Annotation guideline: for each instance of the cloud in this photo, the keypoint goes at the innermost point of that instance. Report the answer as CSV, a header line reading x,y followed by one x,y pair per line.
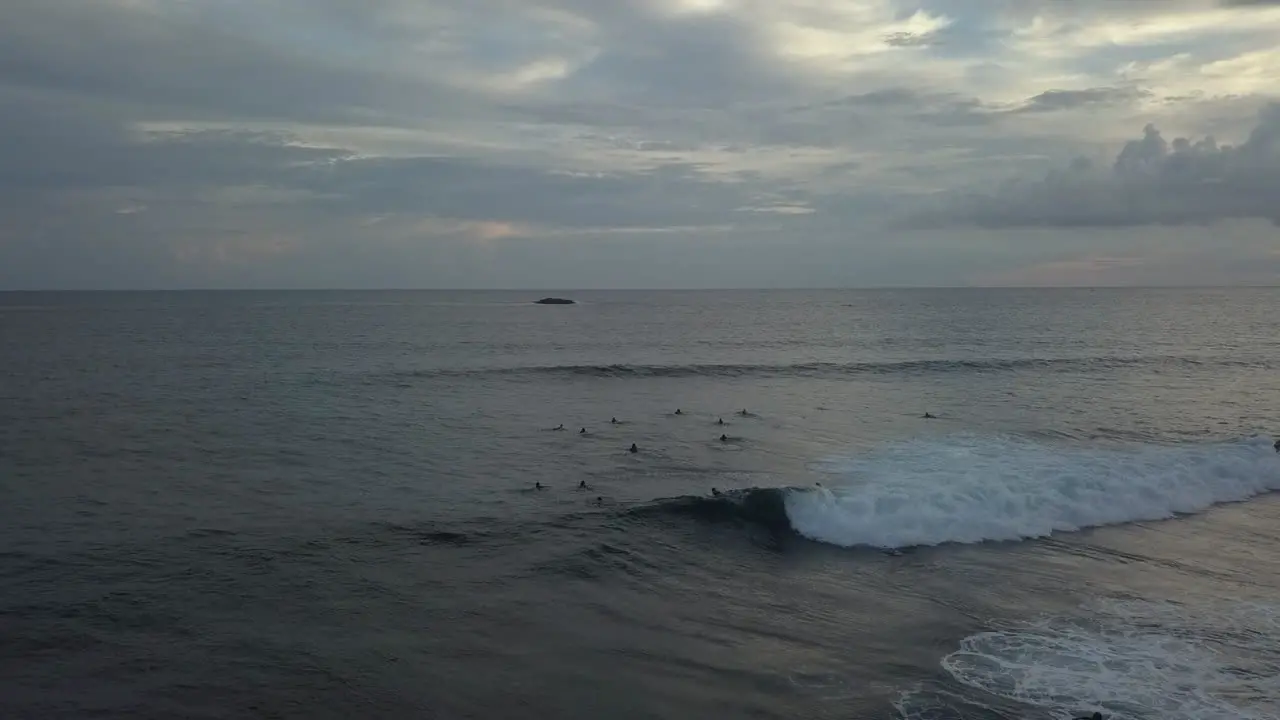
x,y
1054,100
180,60
1151,182
455,142
1162,267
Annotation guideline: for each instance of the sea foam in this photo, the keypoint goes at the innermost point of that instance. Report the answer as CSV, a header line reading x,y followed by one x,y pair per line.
x,y
968,489
1126,658
1132,659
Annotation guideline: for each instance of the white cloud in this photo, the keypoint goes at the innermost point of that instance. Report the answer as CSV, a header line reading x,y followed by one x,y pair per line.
x,y
1065,33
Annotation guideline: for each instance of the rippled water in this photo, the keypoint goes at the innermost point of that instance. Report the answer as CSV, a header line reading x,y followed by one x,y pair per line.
x,y
322,504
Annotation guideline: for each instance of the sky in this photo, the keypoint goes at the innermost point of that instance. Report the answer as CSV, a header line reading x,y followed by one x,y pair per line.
x,y
638,143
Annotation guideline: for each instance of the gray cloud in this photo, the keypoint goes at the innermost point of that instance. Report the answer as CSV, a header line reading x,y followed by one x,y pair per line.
x,y
1054,100
182,62
906,39
671,195
1151,182
75,78
376,142
713,62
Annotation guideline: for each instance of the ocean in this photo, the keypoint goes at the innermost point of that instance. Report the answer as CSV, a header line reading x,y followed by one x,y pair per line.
x,y
326,505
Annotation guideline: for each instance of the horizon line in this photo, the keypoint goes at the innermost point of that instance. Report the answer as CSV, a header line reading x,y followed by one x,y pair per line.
x,y
1240,286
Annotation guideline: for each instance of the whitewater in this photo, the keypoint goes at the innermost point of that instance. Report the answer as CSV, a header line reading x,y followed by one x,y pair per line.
x,y
968,488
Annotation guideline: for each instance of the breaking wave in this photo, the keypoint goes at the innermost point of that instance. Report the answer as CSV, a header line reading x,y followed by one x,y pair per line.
x,y
969,489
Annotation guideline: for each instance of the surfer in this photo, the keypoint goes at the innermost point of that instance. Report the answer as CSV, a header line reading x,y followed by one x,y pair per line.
x,y
744,412
613,421
583,431
582,485
720,421
724,438
634,449
559,427
930,416
715,492
678,411
538,486
1277,446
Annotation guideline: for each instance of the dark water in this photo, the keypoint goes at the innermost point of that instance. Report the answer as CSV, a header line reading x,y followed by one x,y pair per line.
x,y
320,505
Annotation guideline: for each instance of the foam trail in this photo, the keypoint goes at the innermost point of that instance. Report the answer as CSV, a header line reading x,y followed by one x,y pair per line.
x,y
969,489
1132,660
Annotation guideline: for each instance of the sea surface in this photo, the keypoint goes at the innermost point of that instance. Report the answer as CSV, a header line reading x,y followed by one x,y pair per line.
x,y
323,505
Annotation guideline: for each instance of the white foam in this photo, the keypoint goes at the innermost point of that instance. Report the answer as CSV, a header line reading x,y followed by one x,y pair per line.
x,y
1132,660
968,489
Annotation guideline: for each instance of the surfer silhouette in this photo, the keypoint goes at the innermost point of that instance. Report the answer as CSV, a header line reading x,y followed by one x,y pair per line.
x,y
634,449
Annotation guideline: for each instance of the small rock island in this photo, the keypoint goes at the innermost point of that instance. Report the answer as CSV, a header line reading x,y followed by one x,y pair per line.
x,y
555,301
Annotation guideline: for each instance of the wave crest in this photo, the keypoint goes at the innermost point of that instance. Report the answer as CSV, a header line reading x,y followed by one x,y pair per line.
x,y
973,489
759,506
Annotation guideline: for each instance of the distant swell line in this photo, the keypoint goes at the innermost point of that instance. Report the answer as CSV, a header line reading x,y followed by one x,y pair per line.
x,y
826,369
